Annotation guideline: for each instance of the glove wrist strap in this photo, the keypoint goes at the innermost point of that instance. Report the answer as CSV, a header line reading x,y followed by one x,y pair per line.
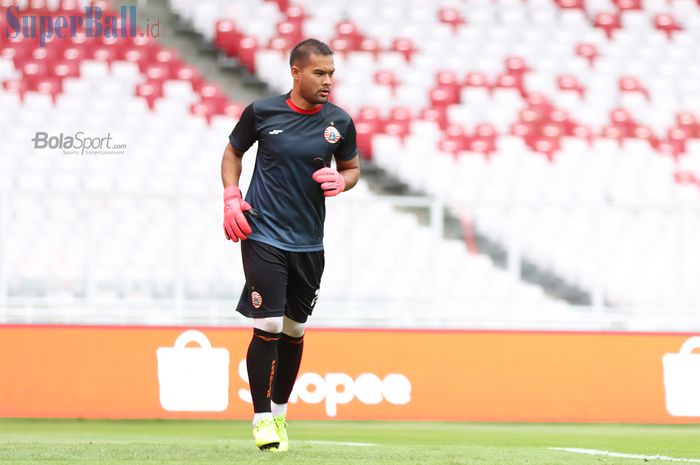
x,y
232,192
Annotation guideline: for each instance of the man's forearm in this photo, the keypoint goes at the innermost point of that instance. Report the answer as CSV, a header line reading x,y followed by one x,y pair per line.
x,y
351,176
231,167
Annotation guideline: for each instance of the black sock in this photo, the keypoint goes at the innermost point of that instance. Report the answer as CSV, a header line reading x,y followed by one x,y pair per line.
x,y
262,367
290,350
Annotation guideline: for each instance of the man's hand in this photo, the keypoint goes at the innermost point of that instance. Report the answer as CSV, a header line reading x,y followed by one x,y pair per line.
x,y
235,223
332,182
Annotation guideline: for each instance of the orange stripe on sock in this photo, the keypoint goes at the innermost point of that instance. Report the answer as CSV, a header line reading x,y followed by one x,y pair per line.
x,y
267,339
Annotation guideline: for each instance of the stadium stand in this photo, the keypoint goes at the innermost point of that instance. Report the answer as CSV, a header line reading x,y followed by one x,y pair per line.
x,y
584,112
136,236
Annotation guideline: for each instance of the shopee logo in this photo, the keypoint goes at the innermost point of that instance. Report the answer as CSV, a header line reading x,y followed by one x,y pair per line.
x,y
340,388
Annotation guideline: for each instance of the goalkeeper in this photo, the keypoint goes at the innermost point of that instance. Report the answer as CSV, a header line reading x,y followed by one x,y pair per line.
x,y
280,223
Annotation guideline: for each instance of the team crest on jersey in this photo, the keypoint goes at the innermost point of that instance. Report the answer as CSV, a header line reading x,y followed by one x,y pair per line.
x,y
256,299
331,135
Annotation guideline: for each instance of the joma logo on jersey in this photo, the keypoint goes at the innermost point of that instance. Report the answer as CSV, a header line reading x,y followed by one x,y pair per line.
x,y
276,131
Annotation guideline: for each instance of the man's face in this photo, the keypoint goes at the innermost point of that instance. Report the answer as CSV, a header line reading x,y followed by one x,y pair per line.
x,y
315,78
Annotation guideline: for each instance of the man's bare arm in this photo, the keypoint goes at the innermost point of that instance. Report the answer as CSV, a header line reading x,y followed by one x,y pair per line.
x,y
350,170
231,166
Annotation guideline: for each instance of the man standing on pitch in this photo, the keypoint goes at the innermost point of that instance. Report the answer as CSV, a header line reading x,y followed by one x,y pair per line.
x,y
280,223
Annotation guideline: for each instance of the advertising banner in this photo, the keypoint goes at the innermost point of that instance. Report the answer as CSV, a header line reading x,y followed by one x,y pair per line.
x,y
173,372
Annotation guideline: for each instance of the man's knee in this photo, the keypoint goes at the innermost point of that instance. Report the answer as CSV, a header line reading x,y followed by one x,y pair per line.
x,y
272,324
292,328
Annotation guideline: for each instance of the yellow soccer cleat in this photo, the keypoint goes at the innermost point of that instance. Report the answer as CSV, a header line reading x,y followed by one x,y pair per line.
x,y
265,434
281,427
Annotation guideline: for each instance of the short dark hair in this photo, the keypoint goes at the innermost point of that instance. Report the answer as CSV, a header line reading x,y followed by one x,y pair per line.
x,y
301,51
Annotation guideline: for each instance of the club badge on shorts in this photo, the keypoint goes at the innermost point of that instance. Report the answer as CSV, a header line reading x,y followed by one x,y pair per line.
x,y
331,135
256,299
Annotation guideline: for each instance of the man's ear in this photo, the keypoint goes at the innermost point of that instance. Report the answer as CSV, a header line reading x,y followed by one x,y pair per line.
x,y
295,72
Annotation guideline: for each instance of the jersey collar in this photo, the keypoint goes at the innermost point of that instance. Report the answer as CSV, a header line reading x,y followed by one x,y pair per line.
x,y
294,107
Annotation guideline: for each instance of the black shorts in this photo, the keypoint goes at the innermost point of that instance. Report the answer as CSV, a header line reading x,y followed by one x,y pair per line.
x,y
279,282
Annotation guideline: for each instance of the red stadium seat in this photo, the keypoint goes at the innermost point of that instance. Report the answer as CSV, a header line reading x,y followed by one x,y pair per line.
x,y
281,44
625,5
50,86
457,137
147,45
441,97
570,4
569,82
404,46
34,71
484,139
448,81
540,103
204,109
65,68
562,120
477,79
516,66
686,177
622,120
234,110
157,72
340,46
632,84
452,17
396,129
678,139
291,31
645,133
583,132
370,114
401,115
587,51
546,146
138,56
510,81
296,14
667,24
525,130
347,30
608,22
212,94
437,115
106,54
365,135
248,48
370,45
689,123
387,78
450,146
227,37
150,91
189,73
16,86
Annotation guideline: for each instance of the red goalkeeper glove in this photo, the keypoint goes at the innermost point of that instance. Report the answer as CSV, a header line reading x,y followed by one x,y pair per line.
x,y
332,182
235,223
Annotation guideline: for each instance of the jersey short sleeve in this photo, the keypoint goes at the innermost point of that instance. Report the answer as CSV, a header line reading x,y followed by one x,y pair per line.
x,y
245,132
347,148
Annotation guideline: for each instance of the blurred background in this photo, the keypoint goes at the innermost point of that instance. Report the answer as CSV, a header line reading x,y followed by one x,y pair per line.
x,y
526,164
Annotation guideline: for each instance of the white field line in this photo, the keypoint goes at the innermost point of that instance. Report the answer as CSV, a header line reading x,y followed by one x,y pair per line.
x,y
338,443
623,455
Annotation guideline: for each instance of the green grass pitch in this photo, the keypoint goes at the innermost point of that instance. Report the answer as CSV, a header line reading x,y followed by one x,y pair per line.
x,y
340,442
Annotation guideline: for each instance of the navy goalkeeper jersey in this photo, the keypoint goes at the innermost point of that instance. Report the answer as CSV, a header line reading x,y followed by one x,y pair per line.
x,y
291,204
